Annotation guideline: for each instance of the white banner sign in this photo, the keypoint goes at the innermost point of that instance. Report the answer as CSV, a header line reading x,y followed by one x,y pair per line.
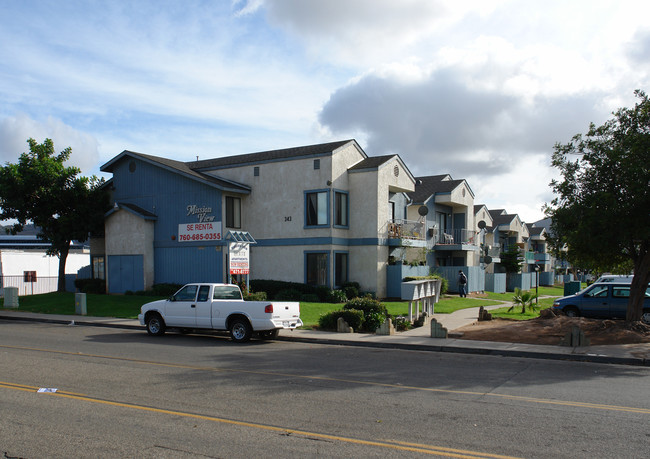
x,y
238,258
197,232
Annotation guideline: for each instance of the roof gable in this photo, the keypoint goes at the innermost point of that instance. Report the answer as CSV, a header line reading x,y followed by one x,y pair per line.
x,y
178,167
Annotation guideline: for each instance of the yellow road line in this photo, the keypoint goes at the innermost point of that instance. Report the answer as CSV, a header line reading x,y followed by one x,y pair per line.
x,y
396,445
596,406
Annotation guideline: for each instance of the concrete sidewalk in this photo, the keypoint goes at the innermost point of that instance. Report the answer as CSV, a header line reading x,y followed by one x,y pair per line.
x,y
417,339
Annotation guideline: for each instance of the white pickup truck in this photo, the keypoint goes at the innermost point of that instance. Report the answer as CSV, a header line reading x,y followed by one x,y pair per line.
x,y
219,307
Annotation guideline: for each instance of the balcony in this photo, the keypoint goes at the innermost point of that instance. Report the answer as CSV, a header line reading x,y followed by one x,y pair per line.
x,y
406,233
543,258
456,239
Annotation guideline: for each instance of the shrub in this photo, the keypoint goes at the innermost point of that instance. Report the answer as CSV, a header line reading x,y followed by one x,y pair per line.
x,y
257,296
337,296
273,288
289,294
401,323
329,320
165,289
323,293
90,285
373,320
374,313
351,292
366,304
310,298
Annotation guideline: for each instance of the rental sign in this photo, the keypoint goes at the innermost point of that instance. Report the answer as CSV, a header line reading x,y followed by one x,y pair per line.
x,y
197,232
239,263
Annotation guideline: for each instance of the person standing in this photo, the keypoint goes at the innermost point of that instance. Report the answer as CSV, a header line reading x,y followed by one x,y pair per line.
x,y
462,284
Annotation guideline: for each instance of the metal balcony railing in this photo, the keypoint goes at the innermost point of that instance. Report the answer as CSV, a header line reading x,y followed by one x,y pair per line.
x,y
456,236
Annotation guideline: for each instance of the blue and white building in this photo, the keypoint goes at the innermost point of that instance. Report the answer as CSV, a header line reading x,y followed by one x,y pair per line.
x,y
319,214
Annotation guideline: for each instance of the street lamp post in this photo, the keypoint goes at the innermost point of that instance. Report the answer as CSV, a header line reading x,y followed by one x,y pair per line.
x,y
536,286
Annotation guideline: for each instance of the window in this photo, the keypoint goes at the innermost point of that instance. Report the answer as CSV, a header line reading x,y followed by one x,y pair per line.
x,y
204,293
99,271
597,292
621,292
233,212
316,268
340,209
316,208
187,293
316,164
256,171
340,268
226,293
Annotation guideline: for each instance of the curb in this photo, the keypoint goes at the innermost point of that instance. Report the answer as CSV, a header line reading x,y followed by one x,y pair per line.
x,y
588,358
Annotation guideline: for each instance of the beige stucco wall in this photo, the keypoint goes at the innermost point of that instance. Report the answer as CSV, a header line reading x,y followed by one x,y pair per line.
x,y
275,209
128,234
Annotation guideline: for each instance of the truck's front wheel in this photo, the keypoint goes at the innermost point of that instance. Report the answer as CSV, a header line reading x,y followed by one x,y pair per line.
x,y
155,324
240,330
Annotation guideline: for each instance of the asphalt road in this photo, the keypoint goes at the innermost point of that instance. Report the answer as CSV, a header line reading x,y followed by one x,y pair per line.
x,y
121,393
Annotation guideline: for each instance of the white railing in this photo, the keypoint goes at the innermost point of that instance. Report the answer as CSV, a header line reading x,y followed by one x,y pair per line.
x,y
41,285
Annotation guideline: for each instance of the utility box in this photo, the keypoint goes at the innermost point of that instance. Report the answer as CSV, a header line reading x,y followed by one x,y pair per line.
x,y
11,297
571,288
80,304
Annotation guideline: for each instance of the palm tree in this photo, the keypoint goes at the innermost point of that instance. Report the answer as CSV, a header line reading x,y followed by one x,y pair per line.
x,y
525,299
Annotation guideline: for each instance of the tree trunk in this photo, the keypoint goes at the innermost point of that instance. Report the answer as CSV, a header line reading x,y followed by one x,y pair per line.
x,y
639,285
63,255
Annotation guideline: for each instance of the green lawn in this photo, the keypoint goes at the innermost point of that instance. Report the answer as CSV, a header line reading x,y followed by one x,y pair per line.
x,y
310,312
515,314
128,306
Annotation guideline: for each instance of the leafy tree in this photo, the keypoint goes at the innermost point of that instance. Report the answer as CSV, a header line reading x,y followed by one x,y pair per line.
x,y
601,209
511,259
64,207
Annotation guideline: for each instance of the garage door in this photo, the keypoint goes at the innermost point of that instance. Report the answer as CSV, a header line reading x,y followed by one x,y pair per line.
x,y
125,273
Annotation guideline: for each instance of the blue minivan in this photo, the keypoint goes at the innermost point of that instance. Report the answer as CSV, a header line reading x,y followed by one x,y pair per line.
x,y
602,301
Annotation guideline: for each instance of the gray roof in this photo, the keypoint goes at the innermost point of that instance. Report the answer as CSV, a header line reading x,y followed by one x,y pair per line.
x,y
179,167
425,187
269,156
501,218
372,163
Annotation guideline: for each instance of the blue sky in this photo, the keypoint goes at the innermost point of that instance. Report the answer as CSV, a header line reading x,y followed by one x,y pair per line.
x,y
481,90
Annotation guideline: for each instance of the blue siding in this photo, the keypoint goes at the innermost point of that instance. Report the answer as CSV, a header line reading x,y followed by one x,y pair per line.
x,y
182,265
167,195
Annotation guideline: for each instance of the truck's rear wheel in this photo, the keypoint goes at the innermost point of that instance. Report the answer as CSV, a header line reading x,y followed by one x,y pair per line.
x,y
155,324
240,330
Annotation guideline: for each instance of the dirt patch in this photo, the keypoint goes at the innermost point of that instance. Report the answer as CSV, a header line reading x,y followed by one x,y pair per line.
x,y
550,329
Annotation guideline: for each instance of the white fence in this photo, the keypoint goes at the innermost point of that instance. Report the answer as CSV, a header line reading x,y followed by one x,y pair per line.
x,y
41,285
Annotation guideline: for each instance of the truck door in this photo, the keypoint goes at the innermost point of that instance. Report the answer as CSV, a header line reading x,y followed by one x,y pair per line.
x,y
181,308
203,307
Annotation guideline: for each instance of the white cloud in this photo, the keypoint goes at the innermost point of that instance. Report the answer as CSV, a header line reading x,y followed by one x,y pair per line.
x,y
14,132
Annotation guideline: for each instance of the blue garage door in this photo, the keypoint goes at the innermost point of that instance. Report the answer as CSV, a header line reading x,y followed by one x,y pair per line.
x,y
125,272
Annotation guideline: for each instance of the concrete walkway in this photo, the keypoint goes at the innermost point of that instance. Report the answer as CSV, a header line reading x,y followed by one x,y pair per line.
x,y
417,339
